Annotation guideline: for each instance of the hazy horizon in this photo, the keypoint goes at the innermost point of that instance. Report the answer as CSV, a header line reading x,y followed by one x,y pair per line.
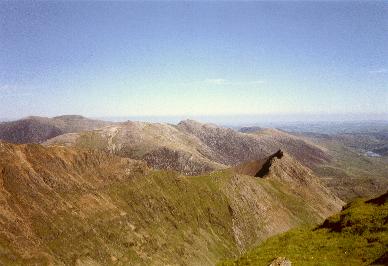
x,y
281,60
237,119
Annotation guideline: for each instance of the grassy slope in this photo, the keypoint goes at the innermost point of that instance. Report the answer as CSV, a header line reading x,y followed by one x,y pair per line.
x,y
66,206
350,174
356,236
160,218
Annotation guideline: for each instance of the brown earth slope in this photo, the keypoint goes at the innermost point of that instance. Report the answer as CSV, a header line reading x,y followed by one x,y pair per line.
x,y
64,206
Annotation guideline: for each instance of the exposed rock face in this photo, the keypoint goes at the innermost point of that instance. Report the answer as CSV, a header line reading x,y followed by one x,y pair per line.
x,y
201,147
233,147
258,168
250,129
228,146
268,162
281,261
183,162
288,174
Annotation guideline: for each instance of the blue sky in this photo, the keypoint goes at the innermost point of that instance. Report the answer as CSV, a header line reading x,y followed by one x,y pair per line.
x,y
193,58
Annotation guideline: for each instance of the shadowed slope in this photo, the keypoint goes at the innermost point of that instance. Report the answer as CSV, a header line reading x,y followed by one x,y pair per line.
x,y
258,168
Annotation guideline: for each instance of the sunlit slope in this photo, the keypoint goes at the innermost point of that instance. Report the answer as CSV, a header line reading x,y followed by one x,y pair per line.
x,y
350,174
68,206
189,147
358,235
35,129
306,152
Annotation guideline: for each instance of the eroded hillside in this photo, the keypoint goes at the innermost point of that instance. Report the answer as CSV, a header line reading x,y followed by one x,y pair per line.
x,y
67,206
194,148
189,147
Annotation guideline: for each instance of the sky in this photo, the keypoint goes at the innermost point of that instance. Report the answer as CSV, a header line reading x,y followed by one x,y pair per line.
x,y
186,59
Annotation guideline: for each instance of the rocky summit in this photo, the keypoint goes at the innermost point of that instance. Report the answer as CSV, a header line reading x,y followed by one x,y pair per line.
x,y
189,147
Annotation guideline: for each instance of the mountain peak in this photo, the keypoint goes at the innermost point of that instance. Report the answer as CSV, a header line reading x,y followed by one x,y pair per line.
x,y
258,168
190,122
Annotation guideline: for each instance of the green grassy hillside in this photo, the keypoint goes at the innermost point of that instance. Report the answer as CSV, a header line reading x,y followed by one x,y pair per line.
x,y
351,174
66,206
356,236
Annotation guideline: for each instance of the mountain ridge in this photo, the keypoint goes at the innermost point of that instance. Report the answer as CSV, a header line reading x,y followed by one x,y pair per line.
x,y
64,205
189,147
36,129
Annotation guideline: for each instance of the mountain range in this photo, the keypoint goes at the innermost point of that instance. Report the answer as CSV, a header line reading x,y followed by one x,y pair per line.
x,y
36,129
190,147
80,191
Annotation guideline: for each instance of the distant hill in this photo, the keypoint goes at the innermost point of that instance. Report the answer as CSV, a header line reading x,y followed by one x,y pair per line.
x,y
189,147
355,236
376,142
305,151
249,129
63,205
36,129
351,173
194,148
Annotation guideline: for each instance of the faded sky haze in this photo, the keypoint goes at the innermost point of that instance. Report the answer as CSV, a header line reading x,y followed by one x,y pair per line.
x,y
103,59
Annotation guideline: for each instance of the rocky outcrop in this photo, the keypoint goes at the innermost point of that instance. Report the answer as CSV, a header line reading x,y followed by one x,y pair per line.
x,y
267,164
258,168
178,160
250,129
281,261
